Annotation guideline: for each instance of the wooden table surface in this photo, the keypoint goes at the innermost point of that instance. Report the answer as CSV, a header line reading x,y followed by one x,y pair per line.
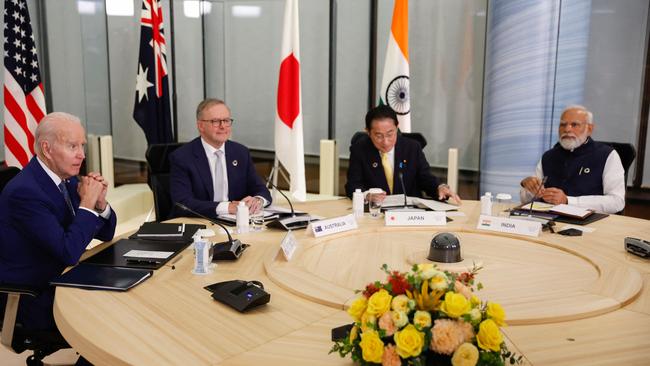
x,y
569,300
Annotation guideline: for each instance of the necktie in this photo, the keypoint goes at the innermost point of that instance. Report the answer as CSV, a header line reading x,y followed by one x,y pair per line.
x,y
388,170
66,196
217,184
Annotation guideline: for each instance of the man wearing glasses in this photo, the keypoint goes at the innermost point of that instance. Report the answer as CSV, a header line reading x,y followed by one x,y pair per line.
x,y
378,161
211,174
579,171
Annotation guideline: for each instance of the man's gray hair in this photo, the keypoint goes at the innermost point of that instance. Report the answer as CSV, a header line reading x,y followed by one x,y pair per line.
x,y
206,104
48,129
590,116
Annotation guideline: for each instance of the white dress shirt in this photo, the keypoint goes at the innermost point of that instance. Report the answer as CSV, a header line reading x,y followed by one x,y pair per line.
x,y
222,206
613,198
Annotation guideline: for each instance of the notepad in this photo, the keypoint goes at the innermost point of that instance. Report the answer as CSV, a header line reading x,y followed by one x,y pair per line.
x,y
571,211
156,229
147,254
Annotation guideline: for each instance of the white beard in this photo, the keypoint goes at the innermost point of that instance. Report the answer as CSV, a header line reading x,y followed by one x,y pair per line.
x,y
571,143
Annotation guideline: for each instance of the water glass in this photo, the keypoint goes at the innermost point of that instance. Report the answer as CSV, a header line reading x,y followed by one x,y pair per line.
x,y
257,221
376,198
503,204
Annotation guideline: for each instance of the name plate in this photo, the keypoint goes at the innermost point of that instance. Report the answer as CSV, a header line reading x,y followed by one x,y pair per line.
x,y
334,225
289,245
508,225
415,218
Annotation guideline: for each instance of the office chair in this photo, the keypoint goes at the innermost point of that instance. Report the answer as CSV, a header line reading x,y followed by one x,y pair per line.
x,y
158,166
627,152
13,335
418,137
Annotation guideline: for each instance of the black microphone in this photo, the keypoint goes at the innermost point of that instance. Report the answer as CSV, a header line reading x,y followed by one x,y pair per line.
x,y
283,222
401,181
293,213
233,247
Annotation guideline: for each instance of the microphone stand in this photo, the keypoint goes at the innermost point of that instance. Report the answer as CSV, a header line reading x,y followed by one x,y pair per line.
x,y
234,246
294,221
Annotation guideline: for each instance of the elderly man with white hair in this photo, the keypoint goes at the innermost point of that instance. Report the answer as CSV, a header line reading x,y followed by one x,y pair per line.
x,y
579,171
49,214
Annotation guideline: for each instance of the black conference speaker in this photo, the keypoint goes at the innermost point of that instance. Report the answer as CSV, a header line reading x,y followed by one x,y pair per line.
x,y
240,295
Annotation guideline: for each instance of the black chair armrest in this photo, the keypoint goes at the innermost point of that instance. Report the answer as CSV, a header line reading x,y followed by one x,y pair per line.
x,y
10,288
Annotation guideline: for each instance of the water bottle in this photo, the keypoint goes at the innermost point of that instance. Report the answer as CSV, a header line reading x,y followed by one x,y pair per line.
x,y
201,256
242,218
357,203
486,204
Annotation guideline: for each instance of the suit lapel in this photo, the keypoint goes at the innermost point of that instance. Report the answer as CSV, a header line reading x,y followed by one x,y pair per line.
x,y
203,167
232,168
51,190
377,169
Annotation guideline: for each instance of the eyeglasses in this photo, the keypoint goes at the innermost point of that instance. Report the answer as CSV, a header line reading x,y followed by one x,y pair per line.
x,y
380,137
227,122
573,124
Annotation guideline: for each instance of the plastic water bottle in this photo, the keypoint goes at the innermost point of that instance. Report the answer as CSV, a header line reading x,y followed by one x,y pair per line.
x,y
242,218
357,203
486,204
201,256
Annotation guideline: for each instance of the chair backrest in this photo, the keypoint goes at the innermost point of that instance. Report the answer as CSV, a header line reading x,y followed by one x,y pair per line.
x,y
6,174
158,161
360,135
626,151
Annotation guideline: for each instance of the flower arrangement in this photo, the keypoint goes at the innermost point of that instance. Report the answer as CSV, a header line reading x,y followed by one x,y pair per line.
x,y
425,316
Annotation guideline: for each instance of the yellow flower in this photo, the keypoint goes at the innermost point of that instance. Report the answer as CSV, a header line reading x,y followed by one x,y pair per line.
x,y
409,341
427,270
496,313
354,333
399,318
400,303
379,303
422,319
368,322
439,281
372,348
465,355
455,305
475,301
357,308
489,337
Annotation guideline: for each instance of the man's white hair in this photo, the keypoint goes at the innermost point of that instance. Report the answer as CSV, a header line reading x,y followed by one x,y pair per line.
x,y
590,116
48,129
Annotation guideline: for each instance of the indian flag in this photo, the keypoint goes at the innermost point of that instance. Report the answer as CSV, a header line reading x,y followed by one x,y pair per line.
x,y
289,149
395,82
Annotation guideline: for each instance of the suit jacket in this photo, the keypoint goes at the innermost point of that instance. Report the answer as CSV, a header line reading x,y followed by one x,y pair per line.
x,y
40,237
365,170
191,180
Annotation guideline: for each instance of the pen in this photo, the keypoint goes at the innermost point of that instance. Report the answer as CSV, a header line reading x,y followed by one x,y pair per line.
x,y
178,257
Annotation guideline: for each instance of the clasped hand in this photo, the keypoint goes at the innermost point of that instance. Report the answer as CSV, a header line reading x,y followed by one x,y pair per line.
x,y
534,185
92,191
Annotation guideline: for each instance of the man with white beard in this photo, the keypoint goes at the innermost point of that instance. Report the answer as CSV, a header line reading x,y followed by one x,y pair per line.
x,y
579,171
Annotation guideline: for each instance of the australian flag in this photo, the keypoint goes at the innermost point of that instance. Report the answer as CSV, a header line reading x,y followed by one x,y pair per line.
x,y
151,109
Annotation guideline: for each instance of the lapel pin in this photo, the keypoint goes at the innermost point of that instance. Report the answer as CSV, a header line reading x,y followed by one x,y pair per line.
x,y
234,163
587,170
374,165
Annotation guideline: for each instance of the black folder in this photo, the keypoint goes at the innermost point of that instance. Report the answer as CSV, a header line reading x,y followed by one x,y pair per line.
x,y
114,255
102,278
166,231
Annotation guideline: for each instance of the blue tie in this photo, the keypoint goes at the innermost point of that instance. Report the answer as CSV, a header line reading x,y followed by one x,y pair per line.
x,y
66,196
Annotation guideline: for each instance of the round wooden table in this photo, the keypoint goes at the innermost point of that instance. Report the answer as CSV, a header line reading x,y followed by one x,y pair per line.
x,y
569,300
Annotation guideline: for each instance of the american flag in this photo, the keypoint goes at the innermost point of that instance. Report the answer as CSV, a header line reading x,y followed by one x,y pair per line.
x,y
24,101
152,111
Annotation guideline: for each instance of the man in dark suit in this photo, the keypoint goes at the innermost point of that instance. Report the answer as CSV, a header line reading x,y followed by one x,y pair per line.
x,y
48,216
211,174
377,161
